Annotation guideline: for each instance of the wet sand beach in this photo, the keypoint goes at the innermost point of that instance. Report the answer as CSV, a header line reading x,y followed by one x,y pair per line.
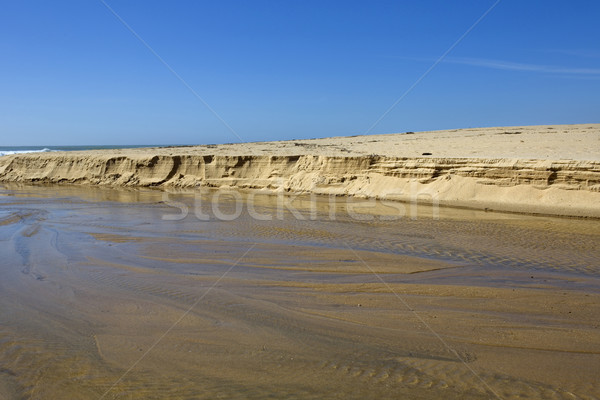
x,y
109,293
389,200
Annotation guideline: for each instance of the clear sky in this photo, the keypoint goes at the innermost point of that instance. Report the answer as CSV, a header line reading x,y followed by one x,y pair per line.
x,y
72,73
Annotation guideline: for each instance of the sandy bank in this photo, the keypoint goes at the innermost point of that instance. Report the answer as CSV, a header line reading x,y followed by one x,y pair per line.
x,y
541,169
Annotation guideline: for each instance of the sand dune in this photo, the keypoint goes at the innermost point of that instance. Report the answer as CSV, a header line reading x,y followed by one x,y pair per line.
x,y
534,169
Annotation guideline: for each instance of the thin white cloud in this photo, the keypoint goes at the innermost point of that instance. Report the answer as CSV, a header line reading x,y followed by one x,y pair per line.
x,y
512,66
584,53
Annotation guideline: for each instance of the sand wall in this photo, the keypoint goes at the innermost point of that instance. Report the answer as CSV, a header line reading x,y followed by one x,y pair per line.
x,y
533,186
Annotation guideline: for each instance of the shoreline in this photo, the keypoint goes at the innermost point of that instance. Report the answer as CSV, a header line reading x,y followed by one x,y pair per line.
x,y
352,166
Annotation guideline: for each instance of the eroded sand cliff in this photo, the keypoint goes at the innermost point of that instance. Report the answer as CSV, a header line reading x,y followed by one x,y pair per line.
x,y
545,169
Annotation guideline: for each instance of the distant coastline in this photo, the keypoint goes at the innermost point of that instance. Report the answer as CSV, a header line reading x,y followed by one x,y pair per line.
x,y
9,150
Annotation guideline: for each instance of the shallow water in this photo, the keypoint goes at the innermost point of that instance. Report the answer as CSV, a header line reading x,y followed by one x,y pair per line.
x,y
102,297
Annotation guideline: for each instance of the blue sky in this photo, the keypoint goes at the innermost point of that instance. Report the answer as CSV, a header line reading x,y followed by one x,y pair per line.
x,y
72,73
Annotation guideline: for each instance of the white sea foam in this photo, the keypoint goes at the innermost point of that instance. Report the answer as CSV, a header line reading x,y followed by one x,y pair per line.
x,y
9,152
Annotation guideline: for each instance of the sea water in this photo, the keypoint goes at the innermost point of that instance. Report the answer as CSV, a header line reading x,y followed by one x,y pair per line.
x,y
8,150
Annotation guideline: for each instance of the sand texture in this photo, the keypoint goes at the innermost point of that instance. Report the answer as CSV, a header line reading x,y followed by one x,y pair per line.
x,y
102,298
535,169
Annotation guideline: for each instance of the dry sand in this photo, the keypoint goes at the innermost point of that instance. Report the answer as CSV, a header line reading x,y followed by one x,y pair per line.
x,y
533,169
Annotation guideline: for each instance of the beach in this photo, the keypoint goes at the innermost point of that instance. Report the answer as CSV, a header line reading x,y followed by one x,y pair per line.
x,y
342,268
552,170
102,296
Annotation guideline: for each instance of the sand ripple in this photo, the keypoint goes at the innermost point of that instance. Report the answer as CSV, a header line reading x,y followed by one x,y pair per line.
x,y
469,307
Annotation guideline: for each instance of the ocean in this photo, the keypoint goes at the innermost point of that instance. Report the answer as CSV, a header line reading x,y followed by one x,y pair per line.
x,y
7,150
